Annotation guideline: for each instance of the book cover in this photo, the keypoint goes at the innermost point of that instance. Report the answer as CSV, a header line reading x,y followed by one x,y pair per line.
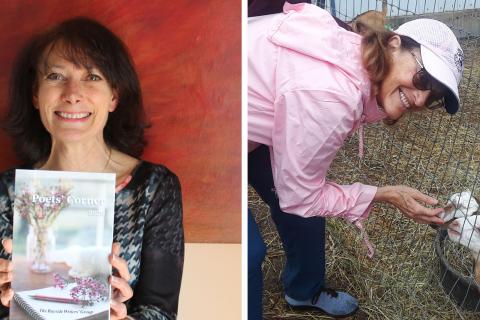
x,y
62,236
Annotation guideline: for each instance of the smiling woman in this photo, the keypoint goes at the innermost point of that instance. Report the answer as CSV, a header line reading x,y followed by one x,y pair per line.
x,y
79,73
325,83
76,105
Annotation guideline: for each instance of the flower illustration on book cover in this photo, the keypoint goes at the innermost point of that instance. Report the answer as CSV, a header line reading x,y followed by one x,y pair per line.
x,y
40,206
87,290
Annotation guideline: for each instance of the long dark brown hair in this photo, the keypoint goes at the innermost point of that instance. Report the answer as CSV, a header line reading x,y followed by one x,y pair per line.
x,y
84,42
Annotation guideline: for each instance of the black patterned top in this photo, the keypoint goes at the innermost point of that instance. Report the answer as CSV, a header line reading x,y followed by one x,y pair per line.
x,y
148,225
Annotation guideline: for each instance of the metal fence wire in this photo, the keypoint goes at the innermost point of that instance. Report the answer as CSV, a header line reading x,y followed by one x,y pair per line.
x,y
417,273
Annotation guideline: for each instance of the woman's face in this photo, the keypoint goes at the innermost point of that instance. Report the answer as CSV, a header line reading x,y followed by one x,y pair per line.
x,y
397,93
73,101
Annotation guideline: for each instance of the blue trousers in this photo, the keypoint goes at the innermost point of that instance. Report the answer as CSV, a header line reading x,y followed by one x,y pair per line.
x,y
303,240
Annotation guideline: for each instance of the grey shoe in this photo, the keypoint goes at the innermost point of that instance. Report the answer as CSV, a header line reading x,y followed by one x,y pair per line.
x,y
336,304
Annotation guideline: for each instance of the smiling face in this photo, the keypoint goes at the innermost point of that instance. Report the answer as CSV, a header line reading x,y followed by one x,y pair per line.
x,y
397,93
73,101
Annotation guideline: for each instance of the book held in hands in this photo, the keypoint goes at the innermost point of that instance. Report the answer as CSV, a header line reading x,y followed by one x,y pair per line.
x,y
62,236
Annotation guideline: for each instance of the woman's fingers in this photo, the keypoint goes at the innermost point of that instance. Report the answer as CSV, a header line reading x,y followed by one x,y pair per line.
x,y
123,290
5,265
122,184
119,263
118,310
418,209
6,295
417,195
435,212
121,293
5,277
427,219
425,215
116,248
7,245
410,202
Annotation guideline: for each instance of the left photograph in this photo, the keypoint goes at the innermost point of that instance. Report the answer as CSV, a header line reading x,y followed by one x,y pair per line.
x,y
120,181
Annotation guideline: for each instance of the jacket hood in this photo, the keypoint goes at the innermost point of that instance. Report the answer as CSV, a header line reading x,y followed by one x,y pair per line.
x,y
312,31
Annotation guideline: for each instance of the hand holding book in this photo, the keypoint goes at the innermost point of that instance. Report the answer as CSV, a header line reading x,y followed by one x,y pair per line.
x,y
6,292
121,289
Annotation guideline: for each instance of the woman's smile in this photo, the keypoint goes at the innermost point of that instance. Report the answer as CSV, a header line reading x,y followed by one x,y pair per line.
x,y
73,116
404,100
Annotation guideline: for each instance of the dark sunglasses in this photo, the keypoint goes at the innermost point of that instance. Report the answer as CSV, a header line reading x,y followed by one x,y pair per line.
x,y
422,80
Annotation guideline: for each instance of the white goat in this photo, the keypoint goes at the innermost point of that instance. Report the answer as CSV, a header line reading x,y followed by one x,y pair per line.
x,y
465,229
460,205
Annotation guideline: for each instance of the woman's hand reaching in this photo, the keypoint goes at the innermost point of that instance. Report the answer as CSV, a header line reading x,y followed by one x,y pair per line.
x,y
411,203
121,290
6,292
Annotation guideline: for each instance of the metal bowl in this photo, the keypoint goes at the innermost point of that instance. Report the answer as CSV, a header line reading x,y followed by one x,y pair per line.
x,y
464,291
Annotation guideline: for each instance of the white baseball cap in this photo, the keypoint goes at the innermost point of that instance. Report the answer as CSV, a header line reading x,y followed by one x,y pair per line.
x,y
442,55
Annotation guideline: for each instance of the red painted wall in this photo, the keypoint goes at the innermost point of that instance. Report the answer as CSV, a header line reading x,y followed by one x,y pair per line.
x,y
188,56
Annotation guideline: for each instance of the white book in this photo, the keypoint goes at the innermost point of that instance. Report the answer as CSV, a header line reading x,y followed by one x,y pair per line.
x,y
62,236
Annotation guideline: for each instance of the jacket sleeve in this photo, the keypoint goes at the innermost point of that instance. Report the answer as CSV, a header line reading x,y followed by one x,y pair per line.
x,y
309,128
157,292
6,222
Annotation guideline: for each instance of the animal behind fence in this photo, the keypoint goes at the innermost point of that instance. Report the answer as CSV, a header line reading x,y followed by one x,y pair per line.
x,y
463,216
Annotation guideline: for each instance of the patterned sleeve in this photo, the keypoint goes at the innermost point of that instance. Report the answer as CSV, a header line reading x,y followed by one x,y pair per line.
x,y
6,216
6,220
157,292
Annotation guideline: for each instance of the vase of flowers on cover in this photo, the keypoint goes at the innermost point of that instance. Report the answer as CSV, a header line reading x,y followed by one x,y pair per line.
x,y
40,208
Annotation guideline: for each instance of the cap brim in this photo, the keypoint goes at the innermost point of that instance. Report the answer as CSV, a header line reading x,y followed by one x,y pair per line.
x,y
438,69
451,103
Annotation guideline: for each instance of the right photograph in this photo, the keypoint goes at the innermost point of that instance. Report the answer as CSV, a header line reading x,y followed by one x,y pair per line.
x,y
363,159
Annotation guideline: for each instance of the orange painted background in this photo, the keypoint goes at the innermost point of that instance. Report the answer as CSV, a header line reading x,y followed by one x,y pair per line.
x,y
188,57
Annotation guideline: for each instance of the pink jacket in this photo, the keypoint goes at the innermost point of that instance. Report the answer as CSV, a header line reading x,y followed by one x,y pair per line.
x,y
308,92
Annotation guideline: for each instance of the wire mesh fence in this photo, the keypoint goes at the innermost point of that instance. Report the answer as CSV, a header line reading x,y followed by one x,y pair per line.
x,y
417,273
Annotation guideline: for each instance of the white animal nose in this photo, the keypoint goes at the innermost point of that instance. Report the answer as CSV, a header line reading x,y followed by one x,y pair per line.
x,y
455,224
